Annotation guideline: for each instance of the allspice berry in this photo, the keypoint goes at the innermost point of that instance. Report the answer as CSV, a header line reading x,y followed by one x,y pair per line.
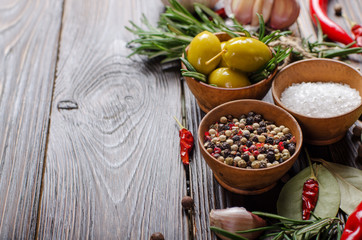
x,y
187,202
157,236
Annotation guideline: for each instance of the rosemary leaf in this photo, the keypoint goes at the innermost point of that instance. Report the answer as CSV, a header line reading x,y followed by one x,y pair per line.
x,y
227,234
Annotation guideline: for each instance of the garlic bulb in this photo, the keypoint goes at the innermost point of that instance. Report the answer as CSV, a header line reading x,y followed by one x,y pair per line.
x,y
278,14
189,4
236,219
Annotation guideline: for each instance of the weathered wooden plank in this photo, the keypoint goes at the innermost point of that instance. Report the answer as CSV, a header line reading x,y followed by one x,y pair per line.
x,y
202,184
113,169
29,33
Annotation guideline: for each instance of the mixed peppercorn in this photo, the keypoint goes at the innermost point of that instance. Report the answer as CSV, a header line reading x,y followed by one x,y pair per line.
x,y
249,141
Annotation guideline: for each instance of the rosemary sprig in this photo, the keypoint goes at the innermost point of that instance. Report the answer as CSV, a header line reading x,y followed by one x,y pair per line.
x,y
279,55
177,27
190,71
287,228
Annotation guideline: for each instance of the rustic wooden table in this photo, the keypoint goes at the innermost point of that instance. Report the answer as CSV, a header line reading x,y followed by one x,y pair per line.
x,y
88,145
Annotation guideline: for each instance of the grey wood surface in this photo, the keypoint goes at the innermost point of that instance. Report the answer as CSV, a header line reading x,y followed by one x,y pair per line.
x,y
89,146
29,35
112,163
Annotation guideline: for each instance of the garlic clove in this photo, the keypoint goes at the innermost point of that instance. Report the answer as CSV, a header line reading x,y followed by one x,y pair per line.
x,y
236,219
257,8
267,9
284,13
241,9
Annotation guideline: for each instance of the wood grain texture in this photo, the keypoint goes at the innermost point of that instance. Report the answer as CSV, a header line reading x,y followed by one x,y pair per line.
x,y
29,33
113,169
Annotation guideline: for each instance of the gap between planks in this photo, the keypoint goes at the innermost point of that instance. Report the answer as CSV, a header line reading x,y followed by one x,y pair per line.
x,y
49,123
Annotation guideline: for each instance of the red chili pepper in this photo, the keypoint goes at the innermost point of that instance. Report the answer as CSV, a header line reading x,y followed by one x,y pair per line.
x,y
221,12
310,193
318,9
357,32
186,143
353,227
280,146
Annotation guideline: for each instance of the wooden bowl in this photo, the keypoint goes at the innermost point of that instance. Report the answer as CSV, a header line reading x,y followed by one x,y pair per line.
x,y
208,96
320,131
241,180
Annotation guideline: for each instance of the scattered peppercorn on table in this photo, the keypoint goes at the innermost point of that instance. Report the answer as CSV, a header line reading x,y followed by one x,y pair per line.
x,y
89,148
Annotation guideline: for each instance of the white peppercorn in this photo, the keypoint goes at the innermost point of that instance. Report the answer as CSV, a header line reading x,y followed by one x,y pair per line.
x,y
223,119
222,138
228,133
230,141
255,164
212,131
234,147
286,130
242,163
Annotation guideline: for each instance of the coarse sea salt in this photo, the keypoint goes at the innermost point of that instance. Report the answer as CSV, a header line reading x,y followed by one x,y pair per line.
x,y
320,99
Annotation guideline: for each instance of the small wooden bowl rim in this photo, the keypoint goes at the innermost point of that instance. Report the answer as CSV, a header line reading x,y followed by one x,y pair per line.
x,y
277,99
298,145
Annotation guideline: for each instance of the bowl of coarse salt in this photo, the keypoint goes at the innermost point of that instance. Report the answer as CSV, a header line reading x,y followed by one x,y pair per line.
x,y
324,95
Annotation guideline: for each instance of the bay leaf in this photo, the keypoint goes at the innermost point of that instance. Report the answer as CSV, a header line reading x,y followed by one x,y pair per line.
x,y
289,203
350,184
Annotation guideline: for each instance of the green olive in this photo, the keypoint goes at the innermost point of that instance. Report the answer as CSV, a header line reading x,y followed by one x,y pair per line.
x,y
203,47
246,54
228,78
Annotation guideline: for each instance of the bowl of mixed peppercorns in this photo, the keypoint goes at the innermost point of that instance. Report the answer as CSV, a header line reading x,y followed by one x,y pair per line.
x,y
249,144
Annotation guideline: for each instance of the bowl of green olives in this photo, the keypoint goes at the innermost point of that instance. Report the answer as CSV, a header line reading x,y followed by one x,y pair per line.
x,y
228,63
249,144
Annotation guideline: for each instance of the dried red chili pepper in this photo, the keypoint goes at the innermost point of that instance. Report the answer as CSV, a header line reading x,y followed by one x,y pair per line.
x,y
318,9
186,143
353,227
357,33
310,193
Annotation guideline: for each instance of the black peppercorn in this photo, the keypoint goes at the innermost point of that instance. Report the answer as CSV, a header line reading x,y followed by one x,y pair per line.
x,y
245,156
269,140
251,114
226,153
338,9
255,139
225,145
187,202
249,143
262,150
249,120
259,130
291,149
270,156
258,118
283,138
289,136
262,124
236,138
157,236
